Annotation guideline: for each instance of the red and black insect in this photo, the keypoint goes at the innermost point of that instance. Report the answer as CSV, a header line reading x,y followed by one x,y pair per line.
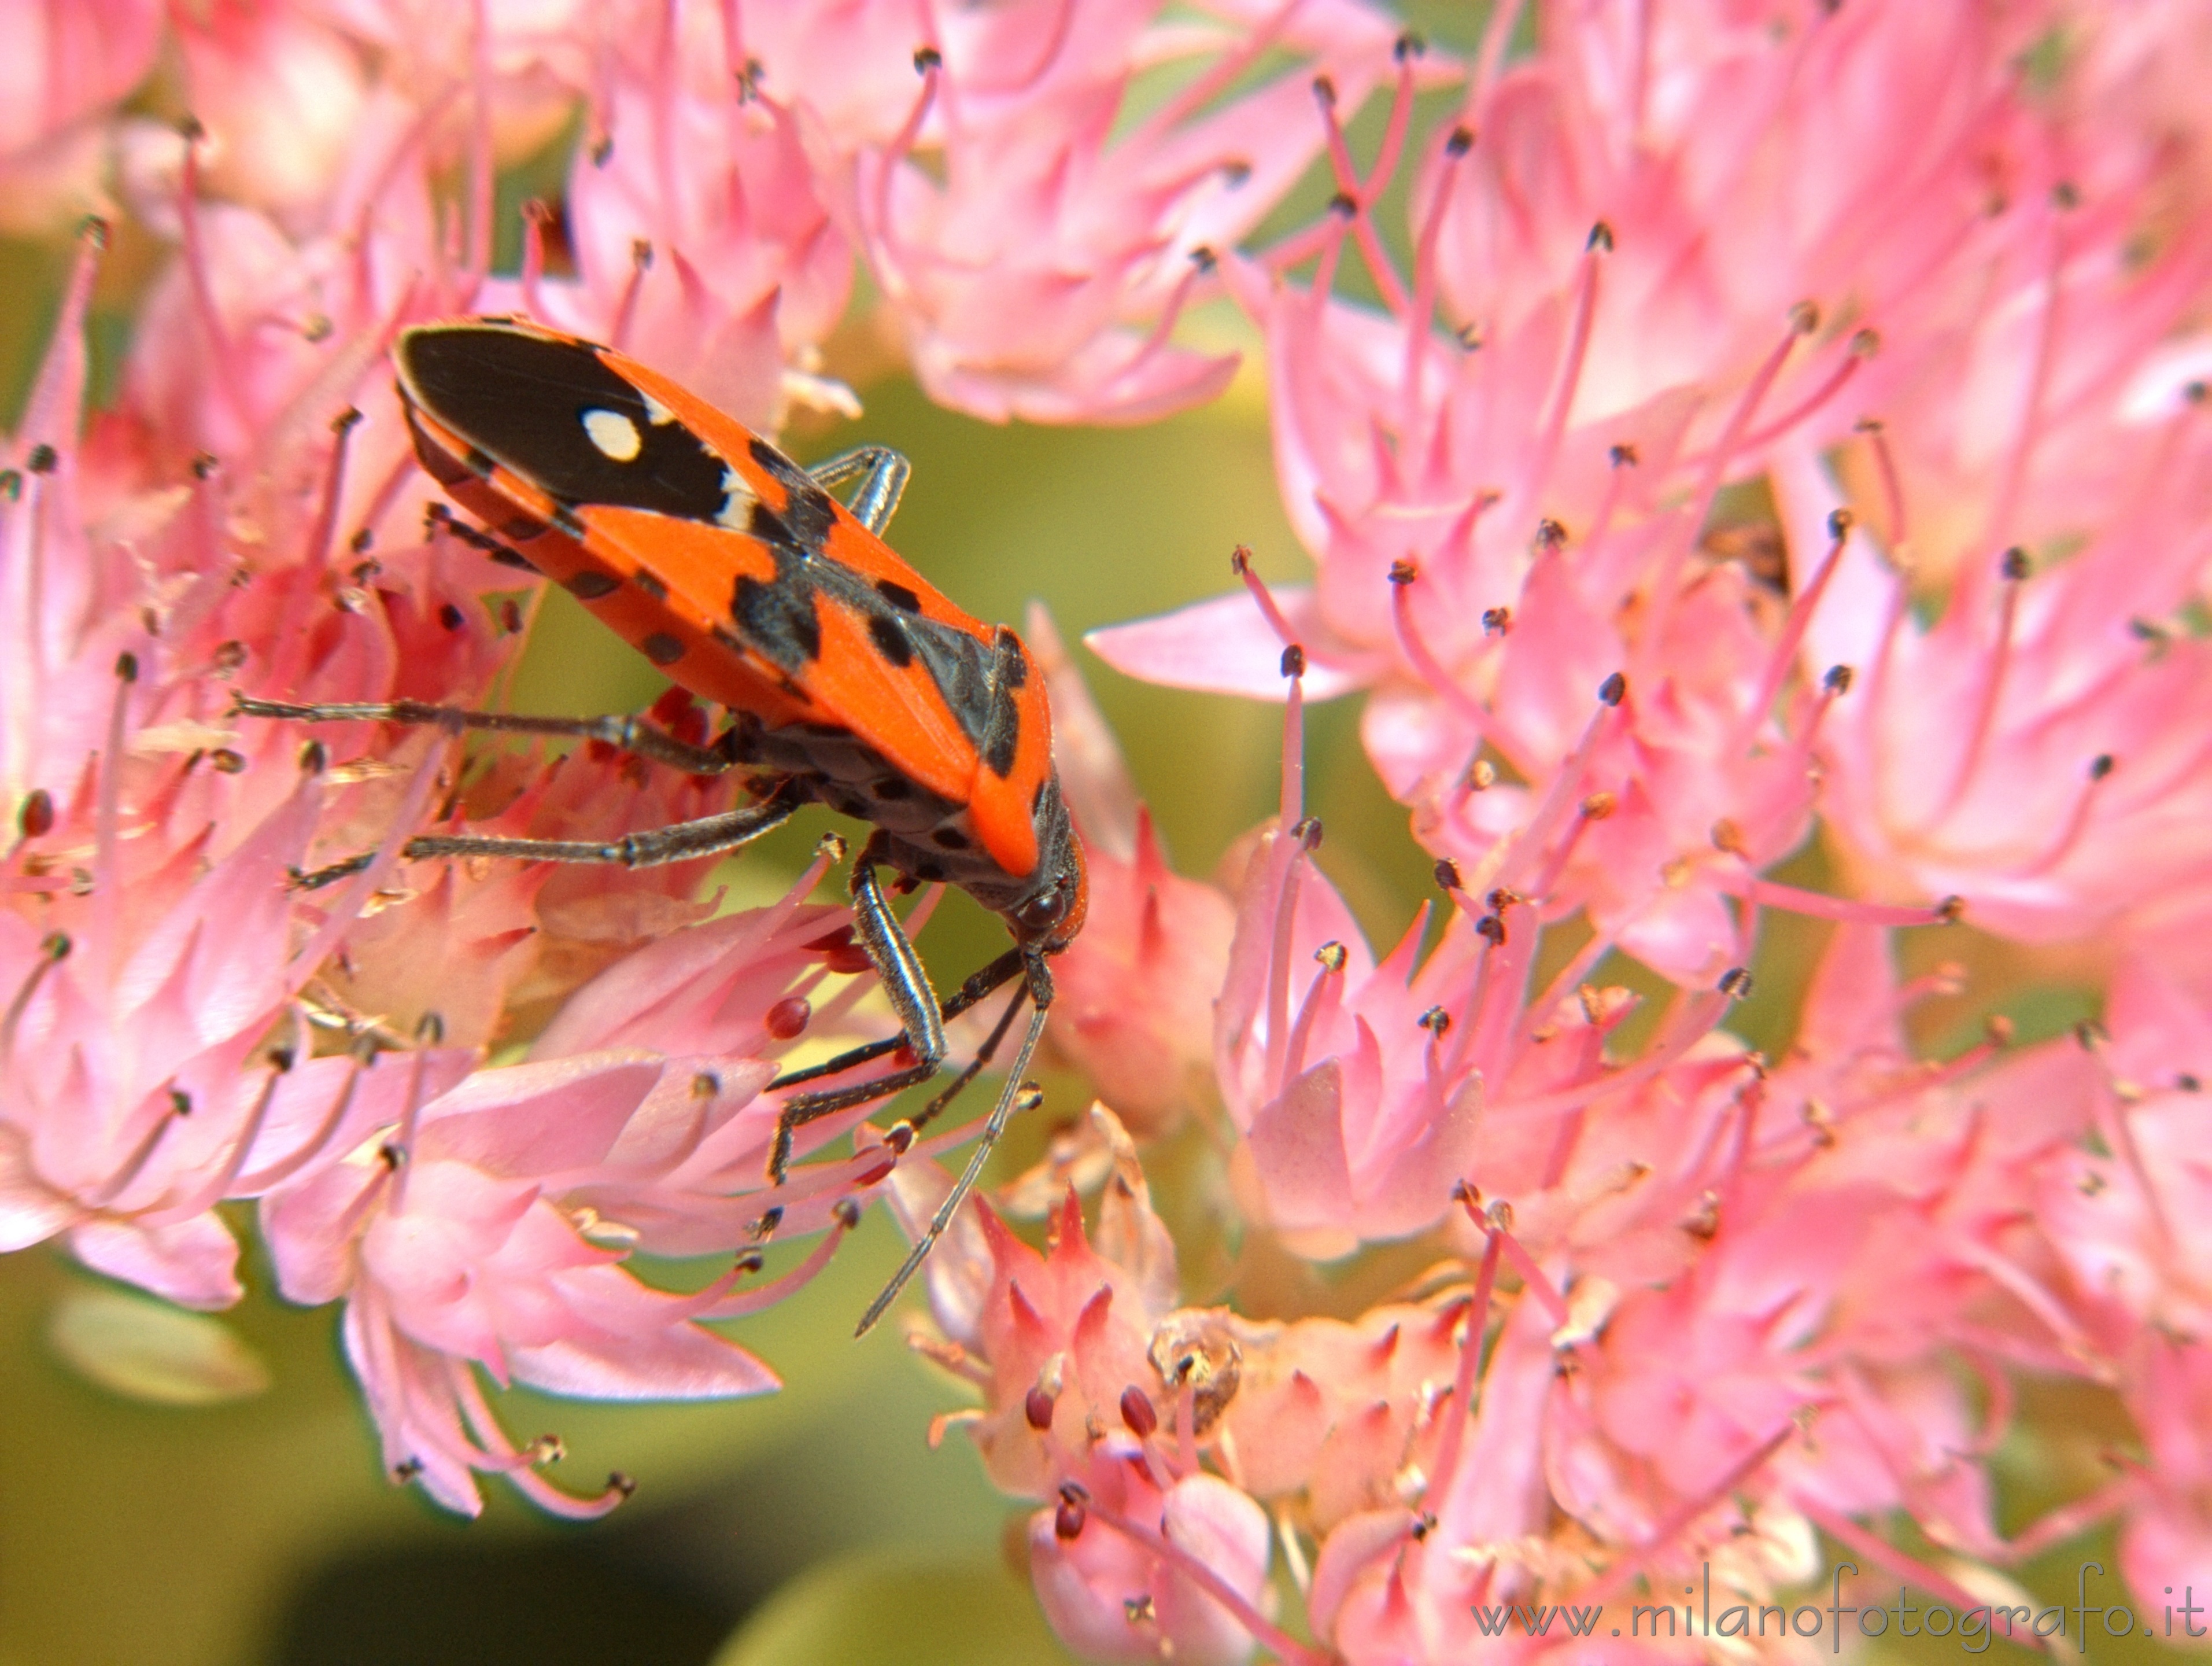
x,y
847,679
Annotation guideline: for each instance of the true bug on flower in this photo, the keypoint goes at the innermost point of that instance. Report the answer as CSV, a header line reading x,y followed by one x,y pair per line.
x,y
848,679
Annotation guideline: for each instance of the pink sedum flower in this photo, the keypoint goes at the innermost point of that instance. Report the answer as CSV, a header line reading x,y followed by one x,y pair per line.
x,y
454,1243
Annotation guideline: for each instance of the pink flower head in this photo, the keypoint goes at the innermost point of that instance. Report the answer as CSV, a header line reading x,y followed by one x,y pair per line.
x,y
484,1226
2060,785
702,243
1042,278
1644,775
458,1249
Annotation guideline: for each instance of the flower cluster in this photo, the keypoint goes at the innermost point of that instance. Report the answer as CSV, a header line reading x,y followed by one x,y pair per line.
x,y
1775,434
287,187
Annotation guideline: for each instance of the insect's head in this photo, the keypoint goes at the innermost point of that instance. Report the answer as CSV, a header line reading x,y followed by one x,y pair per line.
x,y
1049,918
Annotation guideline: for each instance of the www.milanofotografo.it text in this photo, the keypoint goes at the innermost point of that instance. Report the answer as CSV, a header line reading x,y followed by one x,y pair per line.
x,y
1972,1626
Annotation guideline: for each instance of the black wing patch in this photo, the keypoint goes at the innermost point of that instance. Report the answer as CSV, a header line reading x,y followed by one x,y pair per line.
x,y
555,413
808,514
777,618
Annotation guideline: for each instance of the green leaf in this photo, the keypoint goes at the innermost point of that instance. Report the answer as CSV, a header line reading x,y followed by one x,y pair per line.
x,y
894,1607
144,1349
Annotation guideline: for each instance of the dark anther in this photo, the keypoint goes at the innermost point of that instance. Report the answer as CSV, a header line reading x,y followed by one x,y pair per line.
x,y
1068,1518
1735,983
1436,1021
1614,690
1240,560
1410,44
204,465
1036,1409
619,1482
603,150
1294,661
2188,1084
1492,930
1804,318
1951,910
1623,456
1447,872
1460,142
1836,679
2100,766
451,617
770,1220
2014,564
1307,832
1601,239
1137,1412
1324,89
36,818
94,229
1839,524
359,542
927,59
1550,536
126,667
1403,572
1344,205
180,1103
845,1212
313,760
748,1263
1496,621
345,420
1332,955
1865,343
42,460
406,1469
1423,1525
190,128
1204,258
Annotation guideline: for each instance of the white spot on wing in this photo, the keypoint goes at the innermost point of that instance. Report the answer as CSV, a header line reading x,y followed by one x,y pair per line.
x,y
614,434
738,501
655,412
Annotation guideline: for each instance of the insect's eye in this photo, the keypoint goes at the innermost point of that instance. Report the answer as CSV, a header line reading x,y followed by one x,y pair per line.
x,y
1041,912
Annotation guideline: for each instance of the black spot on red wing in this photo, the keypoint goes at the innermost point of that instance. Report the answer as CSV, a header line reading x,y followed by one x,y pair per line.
x,y
1003,733
949,838
891,788
662,649
898,595
807,514
519,399
589,586
778,619
890,640
929,873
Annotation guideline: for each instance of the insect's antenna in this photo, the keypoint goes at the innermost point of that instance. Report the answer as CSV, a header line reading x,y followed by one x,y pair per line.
x,y
1009,1096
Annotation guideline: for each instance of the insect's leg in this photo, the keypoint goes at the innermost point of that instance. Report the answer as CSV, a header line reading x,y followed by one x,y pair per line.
x,y
899,970
1016,1092
983,983
677,842
930,1112
629,734
882,476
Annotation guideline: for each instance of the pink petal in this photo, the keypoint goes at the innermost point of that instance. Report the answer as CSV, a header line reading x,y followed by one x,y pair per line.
x,y
1226,645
